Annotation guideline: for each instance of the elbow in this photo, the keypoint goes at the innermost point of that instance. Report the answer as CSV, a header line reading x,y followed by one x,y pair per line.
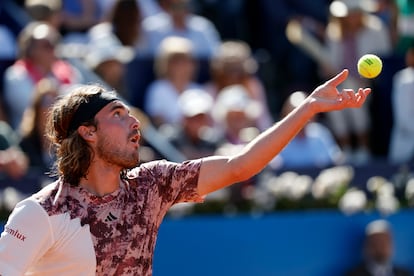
x,y
241,171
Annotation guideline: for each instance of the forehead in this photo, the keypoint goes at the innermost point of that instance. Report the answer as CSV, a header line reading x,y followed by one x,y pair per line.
x,y
110,107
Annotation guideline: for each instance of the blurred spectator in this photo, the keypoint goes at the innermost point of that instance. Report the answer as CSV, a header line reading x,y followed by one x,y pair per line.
x,y
402,135
33,140
148,7
121,27
7,57
177,19
78,16
174,19
219,13
196,135
175,70
107,57
37,60
378,253
236,112
405,25
123,21
233,64
351,33
313,146
13,162
48,11
293,69
108,61
8,44
388,12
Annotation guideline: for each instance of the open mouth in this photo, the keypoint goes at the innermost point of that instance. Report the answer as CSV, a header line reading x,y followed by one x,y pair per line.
x,y
135,137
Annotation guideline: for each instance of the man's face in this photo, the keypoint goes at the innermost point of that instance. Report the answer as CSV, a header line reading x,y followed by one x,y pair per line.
x,y
195,124
42,51
379,247
118,136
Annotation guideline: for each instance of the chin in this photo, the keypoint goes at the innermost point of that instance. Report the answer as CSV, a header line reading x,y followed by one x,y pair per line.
x,y
133,163
130,163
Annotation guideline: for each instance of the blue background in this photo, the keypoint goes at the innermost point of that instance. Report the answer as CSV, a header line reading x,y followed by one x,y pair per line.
x,y
308,243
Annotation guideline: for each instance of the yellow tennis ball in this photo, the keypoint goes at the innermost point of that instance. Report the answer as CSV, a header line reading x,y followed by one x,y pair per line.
x,y
369,66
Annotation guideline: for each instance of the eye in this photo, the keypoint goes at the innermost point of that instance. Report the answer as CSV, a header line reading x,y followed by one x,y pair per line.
x,y
117,114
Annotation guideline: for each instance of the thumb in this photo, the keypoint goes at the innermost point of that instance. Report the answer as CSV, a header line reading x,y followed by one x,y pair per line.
x,y
339,78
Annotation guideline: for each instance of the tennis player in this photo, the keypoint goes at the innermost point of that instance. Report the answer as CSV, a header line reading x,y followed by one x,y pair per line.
x,y
101,217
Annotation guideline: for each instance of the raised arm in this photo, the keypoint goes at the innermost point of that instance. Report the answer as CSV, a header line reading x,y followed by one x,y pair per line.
x,y
220,171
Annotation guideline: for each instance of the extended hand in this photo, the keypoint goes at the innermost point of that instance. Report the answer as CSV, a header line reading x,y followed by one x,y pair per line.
x,y
326,97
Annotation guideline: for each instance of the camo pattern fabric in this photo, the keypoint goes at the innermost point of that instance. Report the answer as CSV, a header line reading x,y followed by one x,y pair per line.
x,y
124,224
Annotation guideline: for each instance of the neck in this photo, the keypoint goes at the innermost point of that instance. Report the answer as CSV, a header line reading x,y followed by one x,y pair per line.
x,y
102,179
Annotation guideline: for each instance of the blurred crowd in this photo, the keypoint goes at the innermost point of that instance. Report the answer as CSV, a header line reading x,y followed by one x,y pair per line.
x,y
206,76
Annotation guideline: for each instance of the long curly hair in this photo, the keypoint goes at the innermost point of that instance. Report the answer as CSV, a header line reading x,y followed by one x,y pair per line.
x,y
73,153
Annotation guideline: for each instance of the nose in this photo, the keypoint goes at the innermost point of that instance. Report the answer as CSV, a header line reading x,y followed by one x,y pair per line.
x,y
136,124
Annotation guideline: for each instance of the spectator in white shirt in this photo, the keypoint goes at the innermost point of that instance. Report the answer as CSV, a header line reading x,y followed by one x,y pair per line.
x,y
175,70
178,20
402,99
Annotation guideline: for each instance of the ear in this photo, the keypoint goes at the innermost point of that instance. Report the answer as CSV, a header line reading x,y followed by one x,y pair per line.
x,y
87,133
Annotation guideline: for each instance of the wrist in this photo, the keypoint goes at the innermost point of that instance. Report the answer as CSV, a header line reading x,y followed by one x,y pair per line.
x,y
310,107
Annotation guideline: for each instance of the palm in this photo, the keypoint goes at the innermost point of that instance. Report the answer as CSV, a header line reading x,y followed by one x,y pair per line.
x,y
326,92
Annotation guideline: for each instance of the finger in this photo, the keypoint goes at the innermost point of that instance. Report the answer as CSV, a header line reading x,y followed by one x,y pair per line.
x,y
347,94
348,91
339,78
363,93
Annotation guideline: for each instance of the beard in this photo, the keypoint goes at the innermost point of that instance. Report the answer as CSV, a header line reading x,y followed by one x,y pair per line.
x,y
112,152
